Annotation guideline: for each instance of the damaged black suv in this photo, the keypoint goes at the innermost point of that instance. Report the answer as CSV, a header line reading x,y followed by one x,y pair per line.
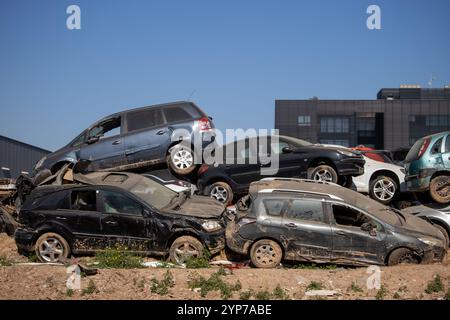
x,y
102,210
305,220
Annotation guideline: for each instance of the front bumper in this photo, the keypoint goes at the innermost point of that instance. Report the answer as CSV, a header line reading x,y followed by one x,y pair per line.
x,y
350,166
214,241
434,254
25,239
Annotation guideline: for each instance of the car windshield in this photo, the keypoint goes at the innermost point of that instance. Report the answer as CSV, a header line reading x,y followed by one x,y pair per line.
x,y
295,141
153,193
380,211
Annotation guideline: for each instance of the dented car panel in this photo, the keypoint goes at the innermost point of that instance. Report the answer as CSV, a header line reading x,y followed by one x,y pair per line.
x,y
325,223
109,209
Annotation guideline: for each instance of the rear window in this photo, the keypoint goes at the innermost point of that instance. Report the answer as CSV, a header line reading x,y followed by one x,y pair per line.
x,y
181,113
144,119
414,151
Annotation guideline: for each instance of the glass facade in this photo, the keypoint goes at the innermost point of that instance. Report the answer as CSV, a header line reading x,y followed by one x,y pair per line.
x,y
335,124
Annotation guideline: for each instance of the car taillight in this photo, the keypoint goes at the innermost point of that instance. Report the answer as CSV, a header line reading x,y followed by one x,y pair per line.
x,y
203,168
423,148
204,124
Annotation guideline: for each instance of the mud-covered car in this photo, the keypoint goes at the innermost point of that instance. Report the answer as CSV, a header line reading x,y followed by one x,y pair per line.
x,y
104,210
303,220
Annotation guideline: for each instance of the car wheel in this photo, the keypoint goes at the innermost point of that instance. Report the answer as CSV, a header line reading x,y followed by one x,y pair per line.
x,y
324,173
181,159
402,256
266,254
440,189
444,232
51,247
383,189
220,191
184,248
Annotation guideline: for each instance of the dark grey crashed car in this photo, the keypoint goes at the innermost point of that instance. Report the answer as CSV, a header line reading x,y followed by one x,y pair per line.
x,y
303,220
90,212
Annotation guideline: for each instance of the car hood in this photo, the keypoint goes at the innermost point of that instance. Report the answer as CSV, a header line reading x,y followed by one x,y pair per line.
x,y
200,207
420,226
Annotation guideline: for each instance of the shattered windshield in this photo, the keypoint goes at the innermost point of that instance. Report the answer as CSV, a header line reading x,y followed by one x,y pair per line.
x,y
153,193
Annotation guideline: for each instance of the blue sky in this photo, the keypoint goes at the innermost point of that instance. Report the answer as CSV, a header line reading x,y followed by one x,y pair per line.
x,y
233,58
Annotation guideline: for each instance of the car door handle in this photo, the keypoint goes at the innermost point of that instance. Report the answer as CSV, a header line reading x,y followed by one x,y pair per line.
x,y
341,233
115,143
160,132
290,225
61,218
111,222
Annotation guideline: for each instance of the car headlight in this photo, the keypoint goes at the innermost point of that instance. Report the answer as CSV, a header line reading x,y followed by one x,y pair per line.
x,y
431,241
347,153
211,226
40,163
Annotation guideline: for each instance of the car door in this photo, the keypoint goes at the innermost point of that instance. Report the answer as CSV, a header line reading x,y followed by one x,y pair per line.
x,y
123,221
147,137
244,167
87,231
307,230
446,152
353,240
104,146
288,161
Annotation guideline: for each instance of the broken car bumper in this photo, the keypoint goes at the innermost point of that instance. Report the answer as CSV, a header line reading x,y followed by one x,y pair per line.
x,y
350,166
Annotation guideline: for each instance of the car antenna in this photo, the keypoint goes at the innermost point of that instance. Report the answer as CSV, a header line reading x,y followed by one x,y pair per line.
x,y
190,96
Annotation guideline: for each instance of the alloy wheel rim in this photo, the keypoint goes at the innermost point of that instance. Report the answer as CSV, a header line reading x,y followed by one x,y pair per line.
x,y
384,189
265,254
51,250
183,159
219,193
323,175
185,251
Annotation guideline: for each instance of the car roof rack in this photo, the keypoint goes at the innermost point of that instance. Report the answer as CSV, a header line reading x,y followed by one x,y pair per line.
x,y
298,180
331,196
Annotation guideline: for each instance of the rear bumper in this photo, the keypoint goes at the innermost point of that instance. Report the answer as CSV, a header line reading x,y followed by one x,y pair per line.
x,y
350,167
416,184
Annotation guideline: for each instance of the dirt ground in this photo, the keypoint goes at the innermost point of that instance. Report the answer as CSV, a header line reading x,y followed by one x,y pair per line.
x,y
49,282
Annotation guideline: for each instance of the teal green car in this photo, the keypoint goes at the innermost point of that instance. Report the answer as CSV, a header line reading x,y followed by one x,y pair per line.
x,y
427,167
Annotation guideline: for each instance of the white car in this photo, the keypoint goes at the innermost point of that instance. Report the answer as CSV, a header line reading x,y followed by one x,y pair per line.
x,y
381,180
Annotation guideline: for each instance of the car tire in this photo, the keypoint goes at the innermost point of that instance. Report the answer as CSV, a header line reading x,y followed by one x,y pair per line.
x,y
401,256
181,160
183,248
383,189
266,254
52,247
440,189
323,173
445,233
220,191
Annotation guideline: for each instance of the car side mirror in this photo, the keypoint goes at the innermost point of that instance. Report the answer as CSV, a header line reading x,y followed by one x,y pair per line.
x,y
286,150
93,139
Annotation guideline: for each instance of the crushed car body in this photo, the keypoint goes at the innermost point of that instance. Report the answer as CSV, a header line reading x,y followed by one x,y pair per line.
x,y
303,220
75,213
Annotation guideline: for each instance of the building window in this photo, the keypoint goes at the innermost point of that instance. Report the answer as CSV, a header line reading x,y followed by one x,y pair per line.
x,y
338,142
334,124
304,120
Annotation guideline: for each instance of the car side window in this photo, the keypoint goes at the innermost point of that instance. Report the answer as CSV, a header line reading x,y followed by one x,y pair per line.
x,y
116,202
79,140
307,210
346,216
106,129
175,114
447,144
84,200
274,207
144,119
436,147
